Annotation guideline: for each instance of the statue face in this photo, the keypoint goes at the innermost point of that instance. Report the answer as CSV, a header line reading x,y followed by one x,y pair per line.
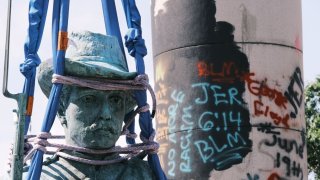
x,y
94,118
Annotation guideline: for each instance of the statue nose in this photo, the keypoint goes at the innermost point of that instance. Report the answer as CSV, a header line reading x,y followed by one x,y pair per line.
x,y
105,112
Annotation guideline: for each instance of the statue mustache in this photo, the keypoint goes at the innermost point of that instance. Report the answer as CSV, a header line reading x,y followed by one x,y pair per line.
x,y
101,125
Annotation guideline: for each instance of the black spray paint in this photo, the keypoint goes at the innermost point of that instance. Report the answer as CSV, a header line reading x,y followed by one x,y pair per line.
x,y
295,92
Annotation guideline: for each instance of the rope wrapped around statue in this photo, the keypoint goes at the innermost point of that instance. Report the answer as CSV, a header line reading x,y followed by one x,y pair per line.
x,y
97,94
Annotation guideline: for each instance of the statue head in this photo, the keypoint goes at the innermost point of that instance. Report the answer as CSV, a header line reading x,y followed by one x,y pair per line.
x,y
91,118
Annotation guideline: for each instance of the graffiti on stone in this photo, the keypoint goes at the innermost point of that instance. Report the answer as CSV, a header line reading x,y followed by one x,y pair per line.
x,y
294,92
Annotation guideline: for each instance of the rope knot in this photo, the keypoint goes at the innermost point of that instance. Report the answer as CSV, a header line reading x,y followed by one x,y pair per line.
x,y
31,62
129,134
141,79
44,135
148,140
40,143
135,43
155,146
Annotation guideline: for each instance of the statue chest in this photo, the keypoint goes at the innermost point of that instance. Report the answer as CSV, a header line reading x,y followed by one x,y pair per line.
x,y
61,169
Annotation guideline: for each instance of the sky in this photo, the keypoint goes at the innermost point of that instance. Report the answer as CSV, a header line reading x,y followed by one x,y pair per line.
x,y
87,15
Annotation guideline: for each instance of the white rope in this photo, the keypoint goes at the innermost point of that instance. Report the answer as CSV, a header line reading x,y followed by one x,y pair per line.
x,y
89,161
141,82
41,143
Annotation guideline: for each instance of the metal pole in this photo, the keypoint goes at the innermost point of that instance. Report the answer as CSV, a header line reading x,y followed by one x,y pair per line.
x,y
18,148
228,80
6,54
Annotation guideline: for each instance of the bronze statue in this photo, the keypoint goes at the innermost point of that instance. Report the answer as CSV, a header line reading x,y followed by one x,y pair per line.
x,y
92,118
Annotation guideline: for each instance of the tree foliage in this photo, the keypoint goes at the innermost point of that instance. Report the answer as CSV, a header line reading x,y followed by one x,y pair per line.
x,y
312,114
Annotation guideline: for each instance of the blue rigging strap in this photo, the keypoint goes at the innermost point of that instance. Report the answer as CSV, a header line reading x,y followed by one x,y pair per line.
x,y
37,19
137,49
59,44
113,29
111,21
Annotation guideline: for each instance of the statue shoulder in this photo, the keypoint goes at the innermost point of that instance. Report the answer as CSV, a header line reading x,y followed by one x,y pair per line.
x,y
46,162
58,168
53,169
